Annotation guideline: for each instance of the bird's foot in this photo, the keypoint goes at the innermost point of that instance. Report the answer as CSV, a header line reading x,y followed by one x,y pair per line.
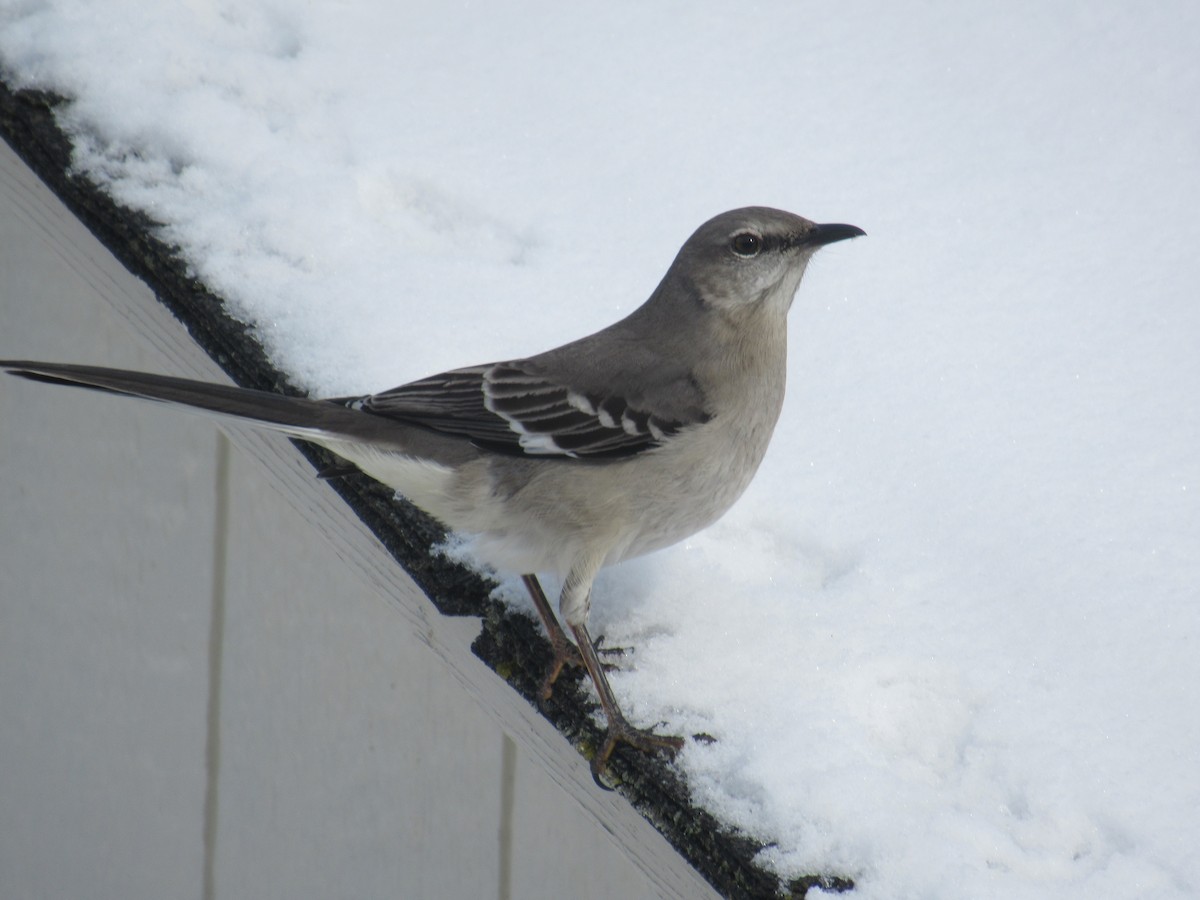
x,y
610,651
621,732
567,654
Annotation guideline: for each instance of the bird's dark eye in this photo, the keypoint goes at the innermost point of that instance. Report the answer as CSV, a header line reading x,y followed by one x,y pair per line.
x,y
746,244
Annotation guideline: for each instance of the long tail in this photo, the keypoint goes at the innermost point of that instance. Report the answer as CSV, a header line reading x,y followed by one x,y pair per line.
x,y
297,416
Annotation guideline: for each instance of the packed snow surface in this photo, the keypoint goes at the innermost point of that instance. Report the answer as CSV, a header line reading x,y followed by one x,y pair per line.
x,y
949,641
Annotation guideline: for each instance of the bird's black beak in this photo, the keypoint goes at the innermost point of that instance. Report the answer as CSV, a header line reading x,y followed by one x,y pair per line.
x,y
830,234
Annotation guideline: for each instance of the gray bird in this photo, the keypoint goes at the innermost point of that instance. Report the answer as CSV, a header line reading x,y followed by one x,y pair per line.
x,y
603,449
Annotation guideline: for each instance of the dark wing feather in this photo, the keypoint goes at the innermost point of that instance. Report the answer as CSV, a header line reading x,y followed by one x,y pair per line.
x,y
513,408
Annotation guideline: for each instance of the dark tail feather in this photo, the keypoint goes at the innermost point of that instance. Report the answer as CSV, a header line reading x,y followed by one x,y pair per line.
x,y
297,415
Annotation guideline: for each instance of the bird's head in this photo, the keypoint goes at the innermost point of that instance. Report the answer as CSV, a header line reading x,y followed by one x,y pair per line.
x,y
751,257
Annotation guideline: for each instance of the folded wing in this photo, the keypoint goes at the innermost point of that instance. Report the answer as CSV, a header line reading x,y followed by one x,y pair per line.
x,y
516,408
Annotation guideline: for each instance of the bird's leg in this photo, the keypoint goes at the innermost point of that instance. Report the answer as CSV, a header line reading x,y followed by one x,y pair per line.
x,y
565,653
619,729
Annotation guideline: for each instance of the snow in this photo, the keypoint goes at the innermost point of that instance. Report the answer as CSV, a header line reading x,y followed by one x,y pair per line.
x,y
947,641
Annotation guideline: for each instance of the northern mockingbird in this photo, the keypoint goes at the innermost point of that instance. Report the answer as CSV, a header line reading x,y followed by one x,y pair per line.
x,y
606,448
